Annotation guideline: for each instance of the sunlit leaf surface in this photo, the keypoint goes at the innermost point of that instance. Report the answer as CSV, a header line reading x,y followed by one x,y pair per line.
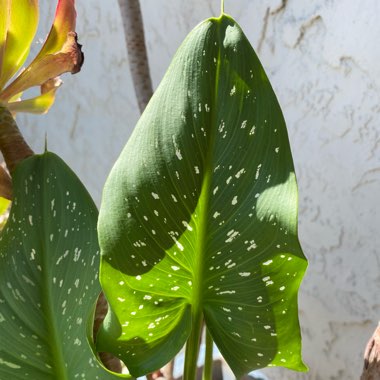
x,y
199,215
4,204
38,105
48,276
18,25
64,22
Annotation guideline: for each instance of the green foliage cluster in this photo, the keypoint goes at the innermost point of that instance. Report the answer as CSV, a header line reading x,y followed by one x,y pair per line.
x,y
197,227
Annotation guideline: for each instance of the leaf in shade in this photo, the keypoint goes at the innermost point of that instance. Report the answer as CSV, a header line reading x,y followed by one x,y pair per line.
x,y
199,215
49,276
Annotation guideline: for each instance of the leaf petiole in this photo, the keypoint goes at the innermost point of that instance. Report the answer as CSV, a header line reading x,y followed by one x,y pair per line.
x,y
207,369
192,348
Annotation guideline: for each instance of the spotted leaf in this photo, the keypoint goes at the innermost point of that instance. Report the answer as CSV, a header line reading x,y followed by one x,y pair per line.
x,y
48,276
199,215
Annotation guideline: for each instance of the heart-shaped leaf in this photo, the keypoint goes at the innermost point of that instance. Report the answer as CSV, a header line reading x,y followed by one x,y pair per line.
x,y
199,215
48,276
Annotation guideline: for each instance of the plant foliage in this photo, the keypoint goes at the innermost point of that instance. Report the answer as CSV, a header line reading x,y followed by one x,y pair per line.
x,y
59,54
199,216
49,259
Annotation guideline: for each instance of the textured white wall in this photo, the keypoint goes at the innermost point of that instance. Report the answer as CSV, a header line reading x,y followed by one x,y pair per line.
x,y
322,58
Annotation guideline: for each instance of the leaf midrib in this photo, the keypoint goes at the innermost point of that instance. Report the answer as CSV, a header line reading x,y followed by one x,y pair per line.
x,y
58,361
204,199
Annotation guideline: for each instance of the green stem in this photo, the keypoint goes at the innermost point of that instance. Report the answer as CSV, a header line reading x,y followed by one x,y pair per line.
x,y
192,348
207,369
222,6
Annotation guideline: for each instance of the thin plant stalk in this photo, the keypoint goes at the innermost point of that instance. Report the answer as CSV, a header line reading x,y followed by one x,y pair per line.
x,y
110,361
136,49
207,369
192,348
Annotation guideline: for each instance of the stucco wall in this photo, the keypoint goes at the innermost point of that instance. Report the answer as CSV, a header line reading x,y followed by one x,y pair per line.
x,y
322,58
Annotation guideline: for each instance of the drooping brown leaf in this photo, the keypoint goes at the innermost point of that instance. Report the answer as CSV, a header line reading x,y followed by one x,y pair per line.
x,y
68,59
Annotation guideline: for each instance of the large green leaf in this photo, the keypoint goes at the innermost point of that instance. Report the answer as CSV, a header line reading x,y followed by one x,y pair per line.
x,y
48,276
199,215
